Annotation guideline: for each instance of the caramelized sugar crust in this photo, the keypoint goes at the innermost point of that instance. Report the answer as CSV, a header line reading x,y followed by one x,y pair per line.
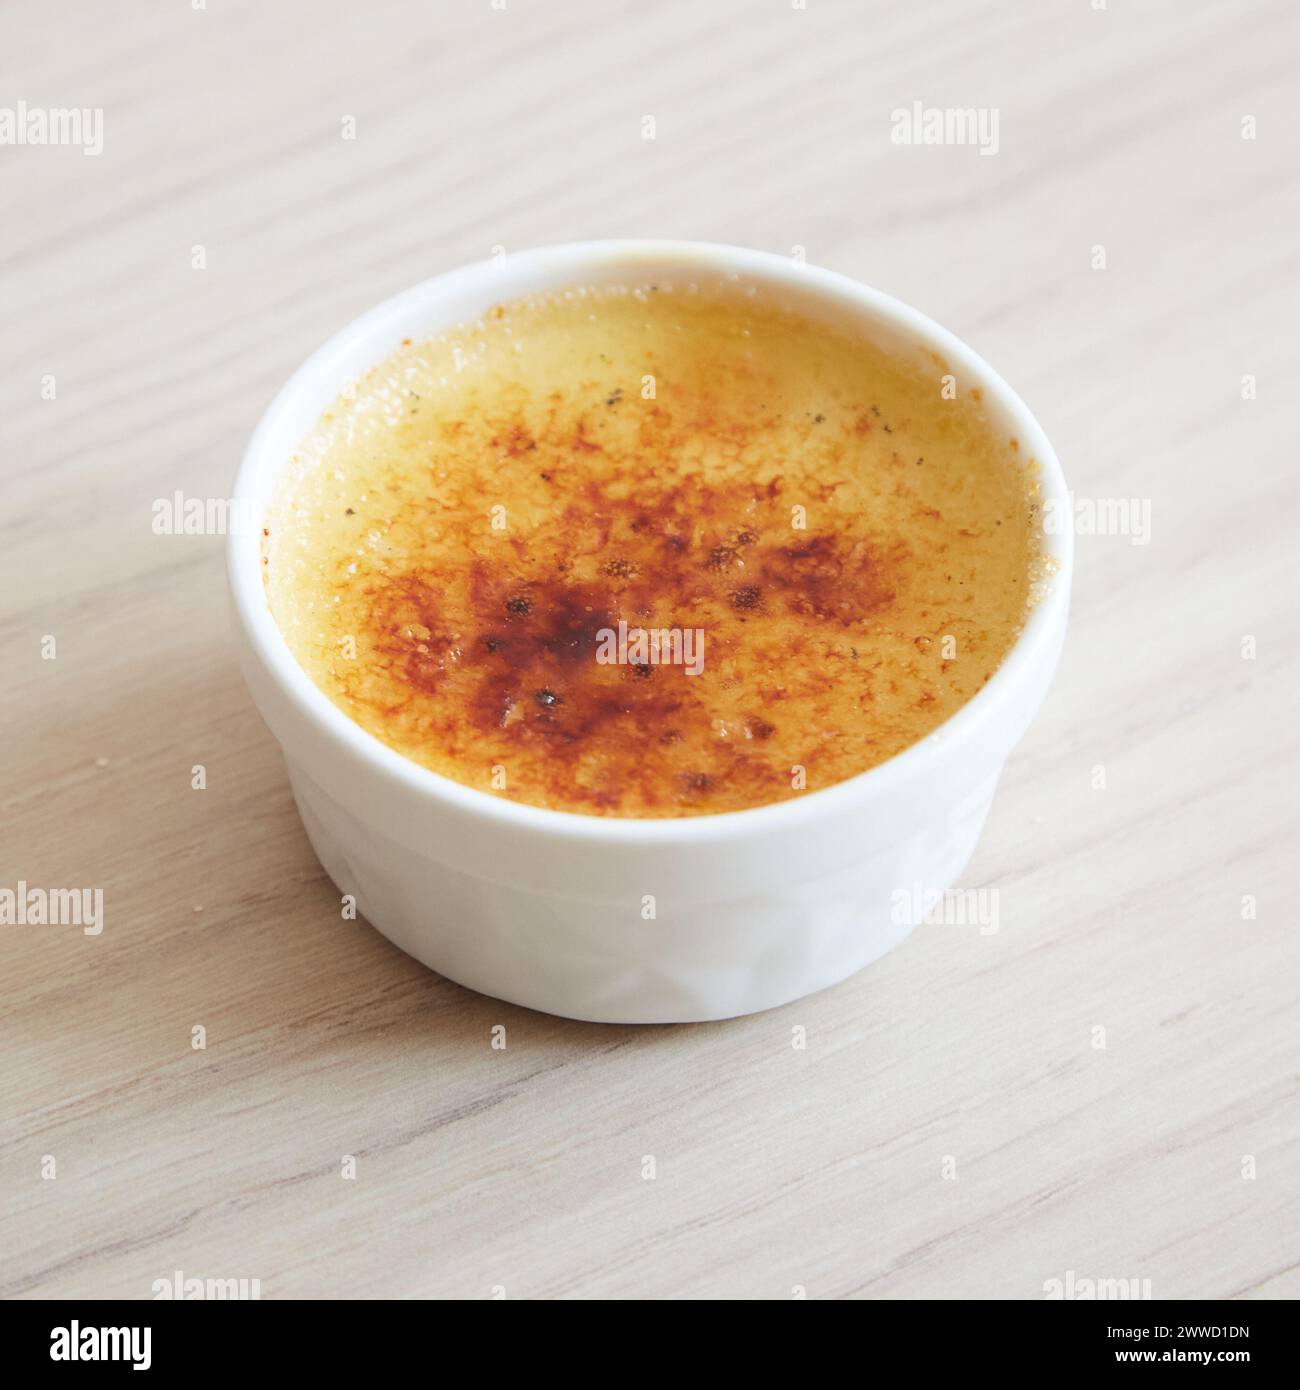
x,y
451,545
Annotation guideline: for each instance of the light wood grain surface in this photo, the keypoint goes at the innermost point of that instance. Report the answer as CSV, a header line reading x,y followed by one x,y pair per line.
x,y
1124,907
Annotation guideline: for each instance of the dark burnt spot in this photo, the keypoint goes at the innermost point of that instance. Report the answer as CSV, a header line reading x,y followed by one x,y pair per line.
x,y
760,729
519,606
543,657
548,646
722,557
572,623
825,577
746,538
642,669
746,597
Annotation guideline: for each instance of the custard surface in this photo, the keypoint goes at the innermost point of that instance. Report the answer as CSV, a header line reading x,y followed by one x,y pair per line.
x,y
450,551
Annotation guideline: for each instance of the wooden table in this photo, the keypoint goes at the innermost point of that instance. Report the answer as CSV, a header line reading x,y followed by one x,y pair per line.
x,y
953,1127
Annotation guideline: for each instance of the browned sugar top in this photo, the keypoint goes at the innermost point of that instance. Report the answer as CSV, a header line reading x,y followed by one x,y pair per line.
x,y
451,553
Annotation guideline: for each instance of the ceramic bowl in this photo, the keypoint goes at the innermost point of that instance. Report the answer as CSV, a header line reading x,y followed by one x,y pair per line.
x,y
633,920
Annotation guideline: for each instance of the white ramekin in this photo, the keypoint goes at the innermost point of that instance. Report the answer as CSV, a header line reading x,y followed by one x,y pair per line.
x,y
623,920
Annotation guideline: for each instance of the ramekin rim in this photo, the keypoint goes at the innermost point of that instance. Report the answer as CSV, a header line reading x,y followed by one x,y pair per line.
x,y
271,648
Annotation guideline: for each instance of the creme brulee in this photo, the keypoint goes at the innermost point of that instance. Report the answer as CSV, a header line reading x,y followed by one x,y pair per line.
x,y
658,551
